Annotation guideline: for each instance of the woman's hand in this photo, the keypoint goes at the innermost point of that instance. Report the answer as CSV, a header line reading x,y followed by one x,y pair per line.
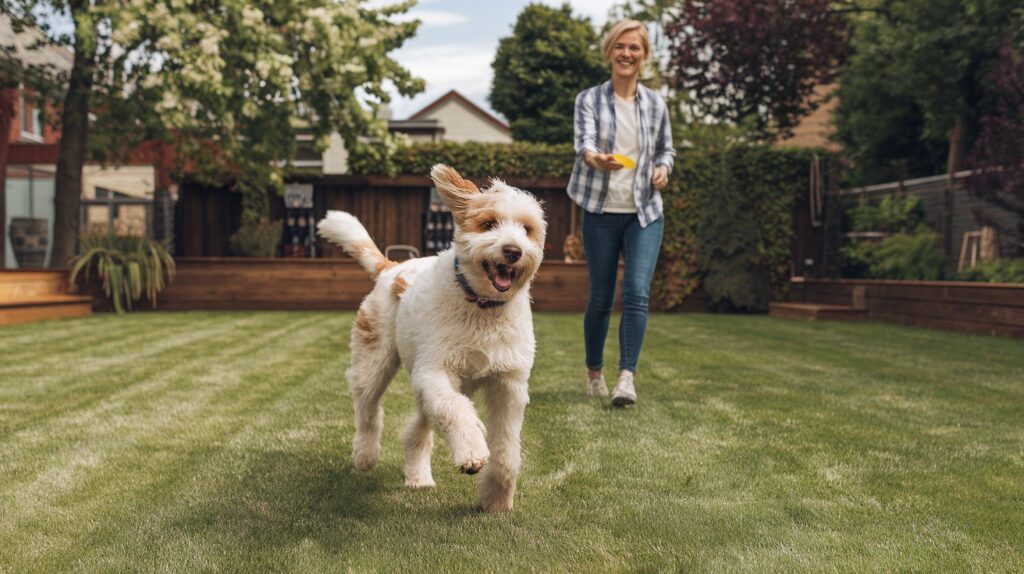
x,y
660,177
601,161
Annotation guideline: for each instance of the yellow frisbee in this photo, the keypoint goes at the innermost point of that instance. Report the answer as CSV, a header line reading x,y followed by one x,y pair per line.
x,y
626,162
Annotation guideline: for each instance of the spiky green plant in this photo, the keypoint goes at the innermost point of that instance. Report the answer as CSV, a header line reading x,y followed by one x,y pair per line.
x,y
129,267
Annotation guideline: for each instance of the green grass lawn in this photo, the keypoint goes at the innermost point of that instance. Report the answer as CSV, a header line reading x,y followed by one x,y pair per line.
x,y
220,441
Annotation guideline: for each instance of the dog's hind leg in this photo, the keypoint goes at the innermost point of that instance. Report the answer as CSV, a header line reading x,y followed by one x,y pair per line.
x,y
374,364
506,399
419,442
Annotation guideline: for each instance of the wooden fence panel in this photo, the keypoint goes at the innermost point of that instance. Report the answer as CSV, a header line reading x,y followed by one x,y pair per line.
x,y
392,210
392,215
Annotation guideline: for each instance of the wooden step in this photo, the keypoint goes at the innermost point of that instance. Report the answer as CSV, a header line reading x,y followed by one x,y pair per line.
x,y
44,308
16,284
817,312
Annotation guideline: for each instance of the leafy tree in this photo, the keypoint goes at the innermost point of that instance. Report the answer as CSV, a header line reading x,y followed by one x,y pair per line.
x,y
881,129
917,76
755,63
540,68
227,83
998,154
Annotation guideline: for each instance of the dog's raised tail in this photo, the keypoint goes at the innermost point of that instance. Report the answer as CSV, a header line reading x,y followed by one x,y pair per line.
x,y
344,230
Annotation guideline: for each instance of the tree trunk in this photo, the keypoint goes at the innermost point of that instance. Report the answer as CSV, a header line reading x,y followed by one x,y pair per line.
x,y
953,162
74,129
955,158
7,96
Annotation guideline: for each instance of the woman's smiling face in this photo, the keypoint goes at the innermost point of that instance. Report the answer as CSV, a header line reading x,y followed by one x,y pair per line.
x,y
628,54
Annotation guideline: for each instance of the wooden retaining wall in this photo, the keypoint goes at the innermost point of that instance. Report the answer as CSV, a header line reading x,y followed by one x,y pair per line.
x,y
241,283
991,308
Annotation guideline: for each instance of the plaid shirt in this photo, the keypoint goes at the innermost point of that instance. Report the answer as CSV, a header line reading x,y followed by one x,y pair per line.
x,y
594,129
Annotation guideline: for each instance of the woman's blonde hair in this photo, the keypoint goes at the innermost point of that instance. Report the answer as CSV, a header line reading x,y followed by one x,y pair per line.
x,y
621,28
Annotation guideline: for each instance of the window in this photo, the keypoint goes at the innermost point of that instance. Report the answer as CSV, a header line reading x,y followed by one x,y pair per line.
x,y
31,119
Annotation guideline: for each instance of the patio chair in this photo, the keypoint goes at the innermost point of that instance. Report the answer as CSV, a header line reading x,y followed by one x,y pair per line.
x,y
401,252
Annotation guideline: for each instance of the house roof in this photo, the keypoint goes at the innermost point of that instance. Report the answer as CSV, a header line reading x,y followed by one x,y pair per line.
x,y
23,43
453,95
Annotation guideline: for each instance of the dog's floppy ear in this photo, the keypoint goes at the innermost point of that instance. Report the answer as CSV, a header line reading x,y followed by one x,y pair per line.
x,y
454,189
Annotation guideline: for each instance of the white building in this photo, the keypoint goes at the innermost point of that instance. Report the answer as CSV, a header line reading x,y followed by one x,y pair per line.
x,y
452,117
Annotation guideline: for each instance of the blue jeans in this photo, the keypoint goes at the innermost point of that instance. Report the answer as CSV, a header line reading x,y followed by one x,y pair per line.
x,y
605,236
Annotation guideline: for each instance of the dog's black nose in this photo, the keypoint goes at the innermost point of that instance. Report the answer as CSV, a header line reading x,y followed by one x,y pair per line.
x,y
512,253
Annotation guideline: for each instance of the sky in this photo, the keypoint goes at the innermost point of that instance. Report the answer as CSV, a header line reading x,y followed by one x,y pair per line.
x,y
456,43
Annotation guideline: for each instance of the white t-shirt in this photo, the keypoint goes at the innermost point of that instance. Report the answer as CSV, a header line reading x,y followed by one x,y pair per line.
x,y
620,197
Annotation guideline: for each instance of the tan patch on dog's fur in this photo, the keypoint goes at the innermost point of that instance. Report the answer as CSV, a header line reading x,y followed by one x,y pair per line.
x,y
451,176
476,220
399,286
359,250
535,230
367,327
457,191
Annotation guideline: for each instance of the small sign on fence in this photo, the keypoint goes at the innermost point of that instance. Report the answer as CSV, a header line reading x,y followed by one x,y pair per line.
x,y
298,195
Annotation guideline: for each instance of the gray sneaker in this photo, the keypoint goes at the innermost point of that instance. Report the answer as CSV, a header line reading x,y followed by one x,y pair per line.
x,y
596,387
624,393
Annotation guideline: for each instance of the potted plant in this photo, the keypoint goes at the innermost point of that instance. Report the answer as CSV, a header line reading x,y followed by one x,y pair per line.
x,y
129,267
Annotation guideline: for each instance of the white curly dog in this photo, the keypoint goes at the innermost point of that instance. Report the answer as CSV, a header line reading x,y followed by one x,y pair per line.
x,y
459,321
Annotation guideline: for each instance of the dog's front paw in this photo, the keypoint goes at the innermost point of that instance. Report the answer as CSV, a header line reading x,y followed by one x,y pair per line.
x,y
473,465
420,482
469,448
472,457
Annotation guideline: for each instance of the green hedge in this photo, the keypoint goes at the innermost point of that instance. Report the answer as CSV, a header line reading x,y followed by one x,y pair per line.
x,y
729,225
729,213
472,159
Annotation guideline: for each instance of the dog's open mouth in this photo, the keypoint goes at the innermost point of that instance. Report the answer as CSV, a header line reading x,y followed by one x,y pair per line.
x,y
501,276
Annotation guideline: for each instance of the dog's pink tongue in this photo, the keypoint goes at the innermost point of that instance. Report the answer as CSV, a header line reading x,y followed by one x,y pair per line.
x,y
503,281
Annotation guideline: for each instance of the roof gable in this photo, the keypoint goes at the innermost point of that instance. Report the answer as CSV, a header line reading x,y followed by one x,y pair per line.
x,y
456,97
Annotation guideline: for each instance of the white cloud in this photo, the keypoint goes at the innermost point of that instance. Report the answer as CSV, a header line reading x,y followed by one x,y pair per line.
x,y
597,10
435,18
462,67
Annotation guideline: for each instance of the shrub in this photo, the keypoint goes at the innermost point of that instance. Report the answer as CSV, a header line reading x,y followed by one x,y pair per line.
x,y
995,271
130,267
894,214
915,255
257,239
913,252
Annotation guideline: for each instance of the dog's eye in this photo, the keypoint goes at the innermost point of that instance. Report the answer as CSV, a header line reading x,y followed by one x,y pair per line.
x,y
489,224
528,229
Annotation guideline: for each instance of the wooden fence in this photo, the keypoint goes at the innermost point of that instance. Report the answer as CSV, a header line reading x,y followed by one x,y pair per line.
x,y
950,210
991,308
392,210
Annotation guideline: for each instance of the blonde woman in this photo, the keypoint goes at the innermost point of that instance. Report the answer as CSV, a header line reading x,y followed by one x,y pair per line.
x,y
621,200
